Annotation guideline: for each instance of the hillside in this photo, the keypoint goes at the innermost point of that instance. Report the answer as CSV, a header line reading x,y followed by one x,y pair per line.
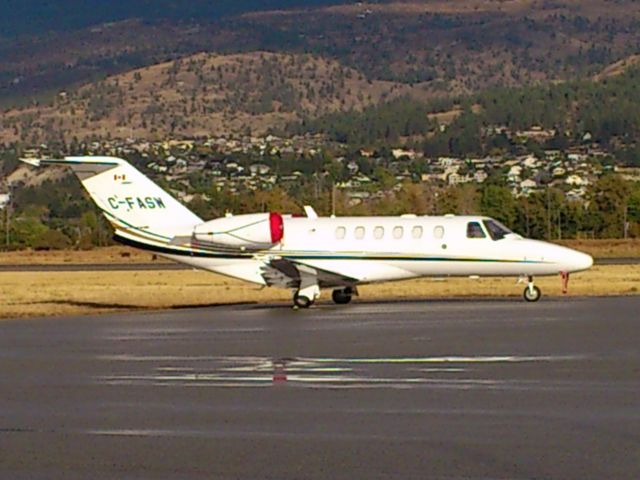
x,y
603,111
203,94
471,45
323,58
460,46
28,17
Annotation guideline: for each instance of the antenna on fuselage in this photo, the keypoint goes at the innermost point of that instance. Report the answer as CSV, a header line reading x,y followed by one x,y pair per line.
x,y
310,212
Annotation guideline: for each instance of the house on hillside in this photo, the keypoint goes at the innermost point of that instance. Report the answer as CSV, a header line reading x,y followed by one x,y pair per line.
x,y
180,166
629,173
576,193
456,179
514,174
480,176
529,161
353,167
576,157
430,177
401,152
445,162
559,171
576,180
527,186
537,133
5,198
259,169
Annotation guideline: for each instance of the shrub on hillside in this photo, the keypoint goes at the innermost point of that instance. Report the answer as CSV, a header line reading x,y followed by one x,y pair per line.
x,y
52,240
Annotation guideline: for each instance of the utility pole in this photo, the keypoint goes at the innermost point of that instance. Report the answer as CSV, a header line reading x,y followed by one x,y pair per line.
x,y
548,213
333,199
7,225
560,224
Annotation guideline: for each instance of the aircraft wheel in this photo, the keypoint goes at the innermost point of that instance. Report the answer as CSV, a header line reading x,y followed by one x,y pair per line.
x,y
341,297
301,301
532,294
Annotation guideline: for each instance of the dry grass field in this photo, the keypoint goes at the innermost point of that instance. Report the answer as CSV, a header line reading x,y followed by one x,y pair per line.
x,y
29,294
111,255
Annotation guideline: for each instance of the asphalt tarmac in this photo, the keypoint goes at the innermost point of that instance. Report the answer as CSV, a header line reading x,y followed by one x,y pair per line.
x,y
464,389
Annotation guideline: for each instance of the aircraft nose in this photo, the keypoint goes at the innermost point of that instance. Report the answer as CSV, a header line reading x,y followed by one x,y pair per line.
x,y
579,261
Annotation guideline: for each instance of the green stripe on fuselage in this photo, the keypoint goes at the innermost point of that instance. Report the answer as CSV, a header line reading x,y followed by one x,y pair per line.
x,y
217,254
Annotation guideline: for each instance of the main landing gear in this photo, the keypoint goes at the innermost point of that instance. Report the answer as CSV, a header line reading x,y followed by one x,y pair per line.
x,y
302,301
342,296
305,297
531,292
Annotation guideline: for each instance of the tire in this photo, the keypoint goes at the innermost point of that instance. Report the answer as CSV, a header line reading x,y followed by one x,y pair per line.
x,y
532,297
341,297
301,301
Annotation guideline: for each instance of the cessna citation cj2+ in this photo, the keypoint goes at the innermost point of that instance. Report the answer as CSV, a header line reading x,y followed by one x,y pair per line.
x,y
308,253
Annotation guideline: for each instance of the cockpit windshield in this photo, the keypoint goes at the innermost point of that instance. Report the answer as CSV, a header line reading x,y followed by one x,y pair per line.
x,y
496,230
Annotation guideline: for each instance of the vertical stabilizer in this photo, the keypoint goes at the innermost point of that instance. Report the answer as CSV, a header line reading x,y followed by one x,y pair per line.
x,y
134,205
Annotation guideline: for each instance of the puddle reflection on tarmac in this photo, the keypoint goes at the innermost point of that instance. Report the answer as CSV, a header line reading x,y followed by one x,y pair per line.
x,y
254,371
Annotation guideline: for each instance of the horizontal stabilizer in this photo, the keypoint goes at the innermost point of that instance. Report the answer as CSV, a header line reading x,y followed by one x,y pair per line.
x,y
181,240
31,161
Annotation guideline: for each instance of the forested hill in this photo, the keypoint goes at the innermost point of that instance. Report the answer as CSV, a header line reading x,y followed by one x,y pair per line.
x,y
605,111
29,17
200,94
440,46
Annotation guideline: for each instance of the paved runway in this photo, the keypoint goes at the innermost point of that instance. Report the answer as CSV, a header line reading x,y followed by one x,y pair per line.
x,y
442,389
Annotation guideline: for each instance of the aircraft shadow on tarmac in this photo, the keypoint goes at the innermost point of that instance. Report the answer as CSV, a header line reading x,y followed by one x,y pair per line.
x,y
405,301
320,305
97,305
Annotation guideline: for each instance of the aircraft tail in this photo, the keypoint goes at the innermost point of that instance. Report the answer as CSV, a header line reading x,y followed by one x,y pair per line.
x,y
138,209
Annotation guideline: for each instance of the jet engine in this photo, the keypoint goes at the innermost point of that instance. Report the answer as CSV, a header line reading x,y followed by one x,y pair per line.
x,y
254,231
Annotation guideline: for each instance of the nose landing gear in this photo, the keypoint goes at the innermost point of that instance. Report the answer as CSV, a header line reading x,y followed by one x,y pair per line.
x,y
564,277
531,292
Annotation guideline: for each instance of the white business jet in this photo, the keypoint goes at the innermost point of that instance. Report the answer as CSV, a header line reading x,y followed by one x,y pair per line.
x,y
308,253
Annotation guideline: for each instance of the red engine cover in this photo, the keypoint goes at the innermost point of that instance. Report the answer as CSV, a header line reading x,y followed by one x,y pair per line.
x,y
277,227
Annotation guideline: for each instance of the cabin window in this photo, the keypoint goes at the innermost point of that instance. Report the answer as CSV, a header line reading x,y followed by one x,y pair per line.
x,y
378,233
474,230
416,232
438,232
341,232
398,232
359,233
497,231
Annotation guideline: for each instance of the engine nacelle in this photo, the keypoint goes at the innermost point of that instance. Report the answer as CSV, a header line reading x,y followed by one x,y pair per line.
x,y
254,231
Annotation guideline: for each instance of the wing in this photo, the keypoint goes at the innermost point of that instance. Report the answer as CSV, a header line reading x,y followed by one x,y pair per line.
x,y
282,272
